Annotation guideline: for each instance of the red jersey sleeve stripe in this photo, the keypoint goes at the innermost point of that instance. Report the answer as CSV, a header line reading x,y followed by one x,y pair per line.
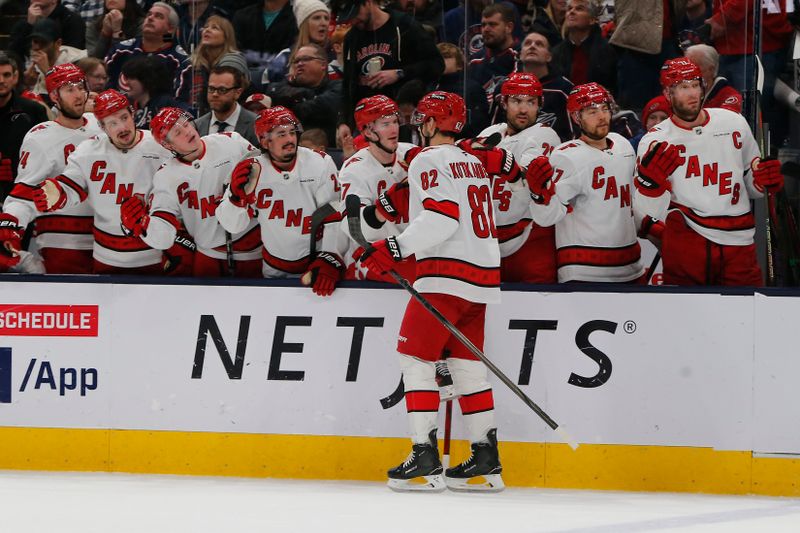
x,y
82,194
168,217
443,207
23,191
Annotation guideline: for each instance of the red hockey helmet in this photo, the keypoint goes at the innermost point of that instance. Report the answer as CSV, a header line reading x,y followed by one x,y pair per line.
x,y
521,84
448,109
61,75
109,102
165,119
271,118
372,108
680,69
587,95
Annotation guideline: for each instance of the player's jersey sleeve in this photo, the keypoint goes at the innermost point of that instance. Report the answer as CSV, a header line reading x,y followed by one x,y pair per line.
x,y
164,212
231,217
750,152
434,190
568,186
329,192
74,178
34,167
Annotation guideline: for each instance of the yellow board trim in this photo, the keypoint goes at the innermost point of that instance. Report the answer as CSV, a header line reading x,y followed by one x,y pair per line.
x,y
592,466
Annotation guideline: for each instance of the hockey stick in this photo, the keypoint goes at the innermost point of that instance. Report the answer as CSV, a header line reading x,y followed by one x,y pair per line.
x,y
448,421
229,254
395,397
653,264
317,217
353,206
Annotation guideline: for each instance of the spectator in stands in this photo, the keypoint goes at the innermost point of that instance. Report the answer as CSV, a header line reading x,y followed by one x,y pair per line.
x,y
383,50
314,139
536,17
225,85
194,15
646,36
46,52
217,40
96,78
719,92
453,30
557,9
158,34
17,116
121,20
498,58
72,29
408,97
313,97
584,55
535,58
337,48
263,30
453,81
655,112
697,12
258,102
149,89
426,12
90,10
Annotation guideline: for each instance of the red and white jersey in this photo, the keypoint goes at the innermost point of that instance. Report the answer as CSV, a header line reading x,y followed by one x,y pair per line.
x,y
190,192
285,201
104,176
591,209
44,153
714,184
451,230
512,205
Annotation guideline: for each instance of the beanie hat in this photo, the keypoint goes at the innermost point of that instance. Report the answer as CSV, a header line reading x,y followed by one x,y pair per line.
x,y
305,8
234,60
659,103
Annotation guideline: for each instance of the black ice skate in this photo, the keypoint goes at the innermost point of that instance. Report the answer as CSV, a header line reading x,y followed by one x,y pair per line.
x,y
447,391
479,473
422,471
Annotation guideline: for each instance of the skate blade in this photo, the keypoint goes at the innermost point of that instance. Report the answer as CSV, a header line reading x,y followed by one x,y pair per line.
x,y
433,483
487,483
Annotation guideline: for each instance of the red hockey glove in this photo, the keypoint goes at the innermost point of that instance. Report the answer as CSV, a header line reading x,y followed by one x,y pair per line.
x,y
409,156
767,175
652,230
393,203
496,161
178,259
540,180
323,273
10,240
383,258
243,182
6,171
655,168
49,196
135,218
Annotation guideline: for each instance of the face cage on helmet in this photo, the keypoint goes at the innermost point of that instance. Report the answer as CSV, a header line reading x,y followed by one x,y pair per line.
x,y
183,120
298,129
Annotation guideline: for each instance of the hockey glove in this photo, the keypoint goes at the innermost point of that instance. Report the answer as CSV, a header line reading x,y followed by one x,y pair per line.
x,y
178,259
243,182
540,180
135,219
393,203
49,196
496,161
10,240
655,168
409,156
6,171
323,273
652,229
767,175
383,256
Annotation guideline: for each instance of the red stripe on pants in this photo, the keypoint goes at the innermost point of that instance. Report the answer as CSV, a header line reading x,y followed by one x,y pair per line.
x,y
422,400
477,402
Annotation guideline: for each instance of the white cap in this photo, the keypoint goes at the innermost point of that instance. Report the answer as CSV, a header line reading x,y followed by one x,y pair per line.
x,y
305,8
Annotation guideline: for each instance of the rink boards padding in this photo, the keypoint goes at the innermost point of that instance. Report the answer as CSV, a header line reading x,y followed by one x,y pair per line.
x,y
666,389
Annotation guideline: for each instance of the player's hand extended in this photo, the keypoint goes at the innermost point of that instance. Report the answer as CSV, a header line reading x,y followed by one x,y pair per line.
x,y
243,182
49,196
134,216
392,204
382,257
655,168
324,273
540,180
10,240
496,161
767,175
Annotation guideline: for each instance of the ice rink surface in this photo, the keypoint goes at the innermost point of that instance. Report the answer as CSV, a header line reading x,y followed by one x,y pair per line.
x,y
119,503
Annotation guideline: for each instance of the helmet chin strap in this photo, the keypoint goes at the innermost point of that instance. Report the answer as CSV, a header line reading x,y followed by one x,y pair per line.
x,y
377,142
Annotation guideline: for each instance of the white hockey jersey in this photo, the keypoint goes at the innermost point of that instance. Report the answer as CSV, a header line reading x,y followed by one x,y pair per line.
x,y
285,201
44,153
452,230
512,206
714,184
191,192
104,176
591,209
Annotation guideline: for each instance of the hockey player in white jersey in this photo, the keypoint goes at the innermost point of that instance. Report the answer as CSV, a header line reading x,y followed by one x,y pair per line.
x,y
281,189
697,173
64,237
585,190
186,192
453,235
379,168
104,171
528,250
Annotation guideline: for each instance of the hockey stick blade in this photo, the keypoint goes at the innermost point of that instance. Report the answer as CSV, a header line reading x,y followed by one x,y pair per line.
x,y
493,139
395,397
353,209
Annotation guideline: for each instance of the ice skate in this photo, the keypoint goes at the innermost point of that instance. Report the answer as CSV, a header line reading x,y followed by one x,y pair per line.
x,y
481,472
447,391
421,472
